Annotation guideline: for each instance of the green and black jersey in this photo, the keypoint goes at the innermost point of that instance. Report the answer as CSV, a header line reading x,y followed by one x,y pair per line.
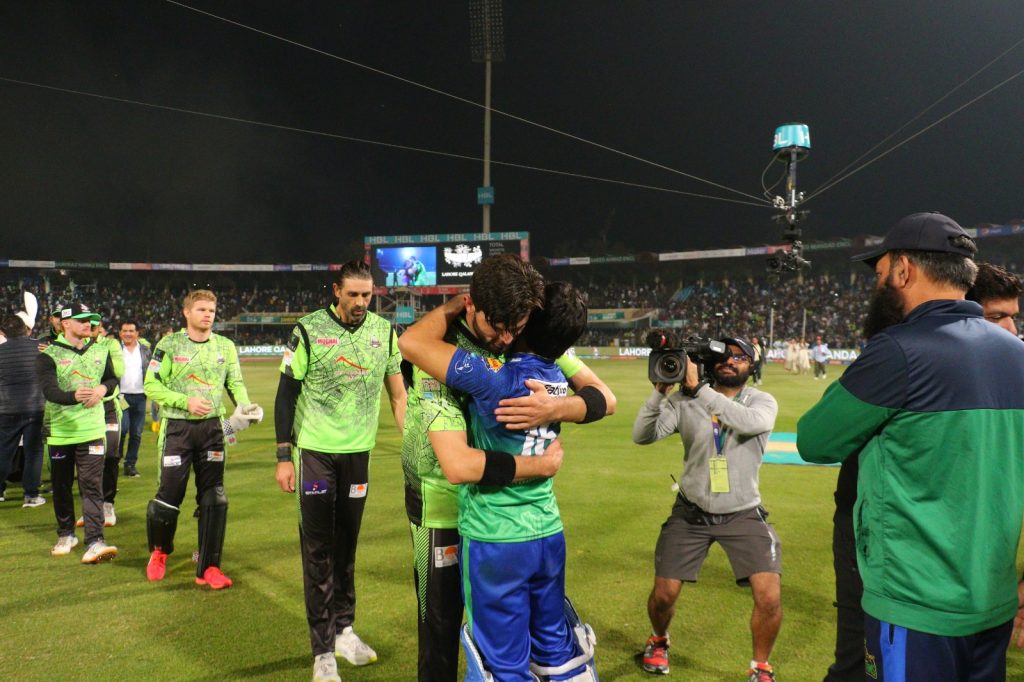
x,y
182,368
341,369
63,369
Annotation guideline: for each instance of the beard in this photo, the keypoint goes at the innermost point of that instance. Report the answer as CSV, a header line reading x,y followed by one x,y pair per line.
x,y
884,310
731,380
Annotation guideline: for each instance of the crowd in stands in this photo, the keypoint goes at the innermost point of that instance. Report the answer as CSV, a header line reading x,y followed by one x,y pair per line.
x,y
830,305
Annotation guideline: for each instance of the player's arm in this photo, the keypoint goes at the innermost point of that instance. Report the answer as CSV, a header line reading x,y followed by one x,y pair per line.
x,y
464,464
396,395
855,408
592,400
233,379
293,371
46,372
423,343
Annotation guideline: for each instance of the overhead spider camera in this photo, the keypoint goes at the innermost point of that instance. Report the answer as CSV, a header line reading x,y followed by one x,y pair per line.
x,y
791,144
669,356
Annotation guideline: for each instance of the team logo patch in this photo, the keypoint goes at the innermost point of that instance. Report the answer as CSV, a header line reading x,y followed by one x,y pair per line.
x,y
154,365
181,359
113,427
327,342
357,490
870,666
493,364
465,366
220,359
287,358
97,450
446,556
58,454
317,487
374,342
215,456
172,461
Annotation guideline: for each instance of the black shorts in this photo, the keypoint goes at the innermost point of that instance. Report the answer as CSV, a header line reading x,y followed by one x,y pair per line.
x,y
751,544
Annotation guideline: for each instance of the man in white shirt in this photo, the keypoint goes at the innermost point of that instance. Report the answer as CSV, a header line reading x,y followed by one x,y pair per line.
x,y
136,358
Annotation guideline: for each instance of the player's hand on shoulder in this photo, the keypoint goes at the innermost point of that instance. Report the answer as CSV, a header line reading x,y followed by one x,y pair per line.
x,y
528,411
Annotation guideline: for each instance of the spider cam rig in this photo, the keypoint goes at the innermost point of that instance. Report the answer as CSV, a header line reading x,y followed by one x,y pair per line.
x,y
791,145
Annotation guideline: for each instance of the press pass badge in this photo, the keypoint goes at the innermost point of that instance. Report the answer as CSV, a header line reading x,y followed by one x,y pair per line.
x,y
719,474
718,465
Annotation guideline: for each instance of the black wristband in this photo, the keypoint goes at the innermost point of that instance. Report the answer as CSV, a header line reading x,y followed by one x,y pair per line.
x,y
284,453
596,404
499,468
693,393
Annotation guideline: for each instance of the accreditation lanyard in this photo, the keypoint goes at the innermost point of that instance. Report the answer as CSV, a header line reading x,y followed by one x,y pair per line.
x,y
718,465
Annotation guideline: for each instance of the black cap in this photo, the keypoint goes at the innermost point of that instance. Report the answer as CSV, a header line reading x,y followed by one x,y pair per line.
x,y
57,307
743,345
77,311
921,232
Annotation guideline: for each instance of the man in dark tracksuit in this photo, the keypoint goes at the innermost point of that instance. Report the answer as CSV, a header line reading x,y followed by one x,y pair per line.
x,y
327,406
941,477
21,409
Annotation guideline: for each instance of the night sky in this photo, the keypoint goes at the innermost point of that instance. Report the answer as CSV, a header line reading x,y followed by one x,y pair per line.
x,y
696,86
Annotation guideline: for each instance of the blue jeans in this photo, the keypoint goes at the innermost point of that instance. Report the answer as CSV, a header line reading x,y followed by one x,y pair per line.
x,y
132,423
12,428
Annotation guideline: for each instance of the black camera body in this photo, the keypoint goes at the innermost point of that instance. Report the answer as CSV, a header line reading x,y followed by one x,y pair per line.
x,y
669,355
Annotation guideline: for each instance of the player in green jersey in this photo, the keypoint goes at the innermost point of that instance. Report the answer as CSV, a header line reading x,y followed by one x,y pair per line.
x,y
75,376
325,414
187,376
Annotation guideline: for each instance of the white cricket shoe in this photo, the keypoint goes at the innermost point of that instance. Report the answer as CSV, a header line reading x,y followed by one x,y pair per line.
x,y
99,551
36,501
352,649
64,545
109,517
325,669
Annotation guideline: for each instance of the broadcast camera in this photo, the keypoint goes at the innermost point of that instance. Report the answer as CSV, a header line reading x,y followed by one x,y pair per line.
x,y
669,355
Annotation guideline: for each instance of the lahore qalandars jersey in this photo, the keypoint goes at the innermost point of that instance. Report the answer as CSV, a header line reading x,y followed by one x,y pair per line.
x,y
76,368
342,370
182,368
525,510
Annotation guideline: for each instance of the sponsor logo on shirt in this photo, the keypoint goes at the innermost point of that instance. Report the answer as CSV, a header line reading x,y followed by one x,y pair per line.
x,y
113,427
430,384
154,365
317,487
327,342
97,450
172,460
493,364
557,390
181,359
446,556
288,355
64,363
357,490
215,456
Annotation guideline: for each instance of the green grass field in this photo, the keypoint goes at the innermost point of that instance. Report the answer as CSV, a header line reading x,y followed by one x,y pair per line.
x,y
62,620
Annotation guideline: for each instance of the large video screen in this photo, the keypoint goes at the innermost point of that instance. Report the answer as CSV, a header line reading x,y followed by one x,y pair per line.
x,y
438,260
407,266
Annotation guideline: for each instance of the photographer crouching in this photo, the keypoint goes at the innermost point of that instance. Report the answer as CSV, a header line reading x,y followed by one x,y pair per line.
x,y
724,425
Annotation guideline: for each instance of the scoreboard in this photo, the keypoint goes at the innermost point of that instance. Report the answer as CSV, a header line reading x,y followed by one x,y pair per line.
x,y
437,263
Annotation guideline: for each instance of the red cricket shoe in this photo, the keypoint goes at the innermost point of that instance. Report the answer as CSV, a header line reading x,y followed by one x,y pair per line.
x,y
655,657
214,578
762,672
157,566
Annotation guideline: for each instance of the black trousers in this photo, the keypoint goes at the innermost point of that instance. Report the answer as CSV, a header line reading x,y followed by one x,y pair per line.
x,y
332,490
111,460
438,600
88,457
849,656
186,445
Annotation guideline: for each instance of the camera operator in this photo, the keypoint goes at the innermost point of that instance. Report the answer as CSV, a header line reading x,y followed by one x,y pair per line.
x,y
724,426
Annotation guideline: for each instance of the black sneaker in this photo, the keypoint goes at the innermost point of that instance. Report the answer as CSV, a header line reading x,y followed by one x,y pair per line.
x,y
131,472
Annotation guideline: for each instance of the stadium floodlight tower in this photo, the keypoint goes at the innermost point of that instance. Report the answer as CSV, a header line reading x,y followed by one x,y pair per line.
x,y
487,43
792,144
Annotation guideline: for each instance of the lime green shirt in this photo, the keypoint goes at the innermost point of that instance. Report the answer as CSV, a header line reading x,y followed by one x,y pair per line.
x,y
182,368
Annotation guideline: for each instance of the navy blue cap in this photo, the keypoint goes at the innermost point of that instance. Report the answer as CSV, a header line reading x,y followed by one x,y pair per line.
x,y
743,345
922,232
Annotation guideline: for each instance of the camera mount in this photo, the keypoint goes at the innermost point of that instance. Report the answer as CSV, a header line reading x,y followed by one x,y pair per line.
x,y
792,144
